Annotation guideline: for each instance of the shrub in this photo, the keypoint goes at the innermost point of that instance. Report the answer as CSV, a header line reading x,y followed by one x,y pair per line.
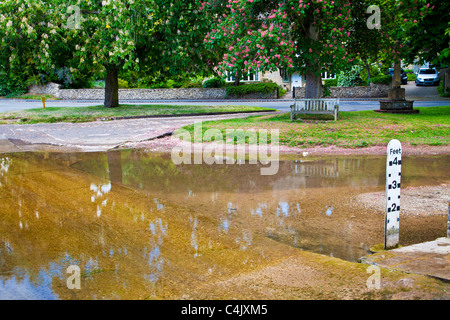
x,y
261,87
11,87
382,79
196,83
123,84
331,82
350,78
411,76
374,71
442,92
214,83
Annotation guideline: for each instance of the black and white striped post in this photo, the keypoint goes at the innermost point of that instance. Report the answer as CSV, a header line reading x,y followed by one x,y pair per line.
x,y
393,177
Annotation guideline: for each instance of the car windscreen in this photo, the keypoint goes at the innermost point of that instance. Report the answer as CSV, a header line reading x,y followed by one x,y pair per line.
x,y
427,71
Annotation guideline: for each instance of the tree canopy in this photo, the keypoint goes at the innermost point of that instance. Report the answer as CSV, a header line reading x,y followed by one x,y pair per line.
x,y
265,35
158,36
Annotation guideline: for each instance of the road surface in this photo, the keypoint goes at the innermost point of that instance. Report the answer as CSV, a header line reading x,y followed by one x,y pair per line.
x,y
423,97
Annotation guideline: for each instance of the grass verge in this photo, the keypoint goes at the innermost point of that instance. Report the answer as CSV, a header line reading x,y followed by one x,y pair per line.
x,y
93,113
29,96
357,129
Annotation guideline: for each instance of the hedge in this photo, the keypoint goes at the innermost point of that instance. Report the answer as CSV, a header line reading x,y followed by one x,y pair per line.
x,y
262,87
214,83
382,79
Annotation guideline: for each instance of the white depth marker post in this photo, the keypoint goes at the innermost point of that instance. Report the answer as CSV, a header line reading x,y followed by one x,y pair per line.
x,y
393,175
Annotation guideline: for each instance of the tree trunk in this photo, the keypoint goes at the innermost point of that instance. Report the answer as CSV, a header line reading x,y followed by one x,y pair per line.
x,y
237,79
396,79
313,88
367,65
115,166
111,87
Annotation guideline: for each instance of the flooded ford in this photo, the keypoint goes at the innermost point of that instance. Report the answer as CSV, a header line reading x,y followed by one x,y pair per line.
x,y
137,226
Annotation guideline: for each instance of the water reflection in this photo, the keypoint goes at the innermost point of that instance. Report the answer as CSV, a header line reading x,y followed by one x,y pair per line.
x,y
140,227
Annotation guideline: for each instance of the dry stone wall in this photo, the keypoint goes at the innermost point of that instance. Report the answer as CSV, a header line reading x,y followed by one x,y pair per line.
x,y
375,90
144,94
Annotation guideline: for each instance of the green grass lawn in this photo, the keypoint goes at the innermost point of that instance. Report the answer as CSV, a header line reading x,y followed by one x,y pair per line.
x,y
30,96
353,129
87,114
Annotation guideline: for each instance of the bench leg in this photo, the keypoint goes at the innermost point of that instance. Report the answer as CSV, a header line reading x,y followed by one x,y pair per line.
x,y
336,113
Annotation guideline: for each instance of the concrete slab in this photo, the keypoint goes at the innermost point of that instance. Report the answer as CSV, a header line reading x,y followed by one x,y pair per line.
x,y
429,258
6,145
99,135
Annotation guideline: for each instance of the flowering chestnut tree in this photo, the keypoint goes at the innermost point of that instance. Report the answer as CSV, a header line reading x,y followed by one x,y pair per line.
x,y
155,35
29,36
307,36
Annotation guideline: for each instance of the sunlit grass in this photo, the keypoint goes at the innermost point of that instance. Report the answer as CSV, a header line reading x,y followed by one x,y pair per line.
x,y
93,113
353,129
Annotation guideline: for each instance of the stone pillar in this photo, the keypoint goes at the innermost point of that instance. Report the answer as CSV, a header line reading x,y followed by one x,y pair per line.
x,y
396,102
396,92
396,79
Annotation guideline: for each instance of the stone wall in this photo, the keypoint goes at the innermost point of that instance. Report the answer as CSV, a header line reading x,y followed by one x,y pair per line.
x,y
375,90
144,94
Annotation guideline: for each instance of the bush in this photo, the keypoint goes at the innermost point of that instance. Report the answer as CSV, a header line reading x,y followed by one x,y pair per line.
x,y
214,83
374,71
331,82
411,76
442,92
190,83
261,87
350,78
382,79
11,87
123,84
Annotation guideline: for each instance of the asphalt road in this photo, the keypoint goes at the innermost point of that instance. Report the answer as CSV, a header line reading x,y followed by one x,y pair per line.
x,y
422,96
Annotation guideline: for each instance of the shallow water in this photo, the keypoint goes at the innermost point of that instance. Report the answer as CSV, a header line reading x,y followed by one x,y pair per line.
x,y
140,227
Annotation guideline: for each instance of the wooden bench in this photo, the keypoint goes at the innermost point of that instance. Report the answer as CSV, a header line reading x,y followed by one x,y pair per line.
x,y
315,106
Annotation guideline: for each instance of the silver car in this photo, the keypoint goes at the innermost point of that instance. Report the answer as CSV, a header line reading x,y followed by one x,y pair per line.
x,y
427,76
